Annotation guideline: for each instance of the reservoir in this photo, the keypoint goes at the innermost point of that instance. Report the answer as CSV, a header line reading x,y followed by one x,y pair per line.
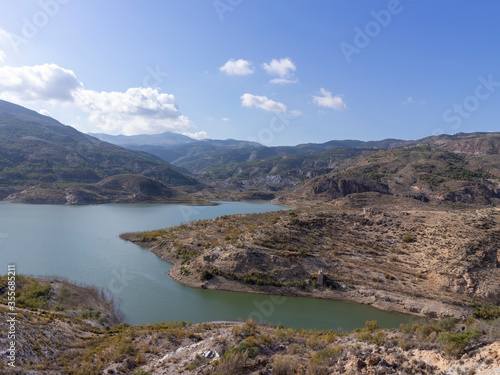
x,y
82,244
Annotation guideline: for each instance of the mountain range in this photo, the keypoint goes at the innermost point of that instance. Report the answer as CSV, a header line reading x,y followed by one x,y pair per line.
x,y
464,167
42,160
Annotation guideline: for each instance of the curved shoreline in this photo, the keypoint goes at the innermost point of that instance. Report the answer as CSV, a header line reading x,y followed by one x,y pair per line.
x,y
379,299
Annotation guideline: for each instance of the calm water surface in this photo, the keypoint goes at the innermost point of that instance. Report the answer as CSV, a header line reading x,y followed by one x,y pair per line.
x,y
81,243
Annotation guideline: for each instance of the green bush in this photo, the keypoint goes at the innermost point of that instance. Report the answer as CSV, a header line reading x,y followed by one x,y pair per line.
x,y
487,312
206,275
456,342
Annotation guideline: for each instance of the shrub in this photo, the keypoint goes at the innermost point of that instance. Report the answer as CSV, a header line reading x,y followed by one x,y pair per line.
x,y
487,312
284,365
33,294
456,342
206,275
324,356
407,238
249,328
232,362
371,325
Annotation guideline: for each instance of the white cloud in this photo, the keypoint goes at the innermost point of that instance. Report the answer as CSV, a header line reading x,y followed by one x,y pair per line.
x,y
281,68
330,101
5,37
283,81
237,68
197,135
295,113
135,111
225,119
45,112
408,101
47,82
249,100
2,56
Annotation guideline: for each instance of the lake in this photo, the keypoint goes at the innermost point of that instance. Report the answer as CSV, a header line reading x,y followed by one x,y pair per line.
x,y
82,244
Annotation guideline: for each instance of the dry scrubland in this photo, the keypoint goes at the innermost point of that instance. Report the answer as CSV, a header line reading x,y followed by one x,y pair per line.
x,y
72,345
427,260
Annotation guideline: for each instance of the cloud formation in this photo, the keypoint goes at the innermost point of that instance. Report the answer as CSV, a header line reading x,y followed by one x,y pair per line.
x,y
237,68
329,101
281,68
2,56
45,112
135,111
197,135
283,81
295,113
47,82
262,102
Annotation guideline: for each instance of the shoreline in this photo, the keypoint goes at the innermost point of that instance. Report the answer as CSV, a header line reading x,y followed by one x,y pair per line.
x,y
379,299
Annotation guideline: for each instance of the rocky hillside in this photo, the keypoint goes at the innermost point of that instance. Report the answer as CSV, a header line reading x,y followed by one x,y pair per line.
x,y
395,254
76,342
123,188
38,151
463,169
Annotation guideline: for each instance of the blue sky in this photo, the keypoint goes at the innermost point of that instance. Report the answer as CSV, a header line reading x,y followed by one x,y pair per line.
x,y
276,72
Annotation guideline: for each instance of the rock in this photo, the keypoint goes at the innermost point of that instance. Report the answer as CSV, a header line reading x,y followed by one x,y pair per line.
x,y
360,364
372,361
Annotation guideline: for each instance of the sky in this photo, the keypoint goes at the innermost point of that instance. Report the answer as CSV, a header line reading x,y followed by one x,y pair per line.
x,y
278,72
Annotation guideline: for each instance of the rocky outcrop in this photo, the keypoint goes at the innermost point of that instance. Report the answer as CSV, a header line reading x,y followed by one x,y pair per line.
x,y
335,187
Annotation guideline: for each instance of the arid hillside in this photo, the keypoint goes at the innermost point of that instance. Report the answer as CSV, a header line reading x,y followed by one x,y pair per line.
x,y
50,342
422,259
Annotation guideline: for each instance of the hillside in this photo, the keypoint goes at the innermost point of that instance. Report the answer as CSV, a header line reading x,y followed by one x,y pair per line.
x,y
57,340
37,152
163,139
395,254
462,168
199,157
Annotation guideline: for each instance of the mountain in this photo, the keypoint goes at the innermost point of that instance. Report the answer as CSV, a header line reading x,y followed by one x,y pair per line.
x,y
198,157
460,168
36,150
163,139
